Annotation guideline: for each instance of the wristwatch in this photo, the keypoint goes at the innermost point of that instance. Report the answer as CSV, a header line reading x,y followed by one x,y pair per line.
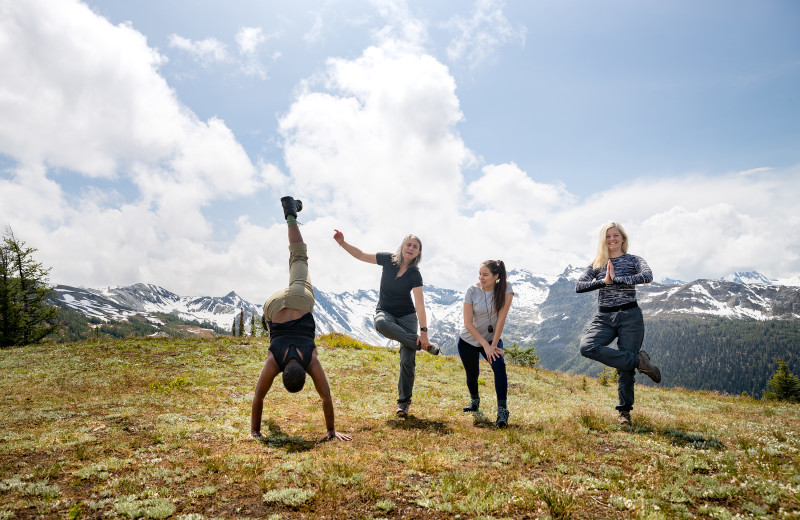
x,y
423,329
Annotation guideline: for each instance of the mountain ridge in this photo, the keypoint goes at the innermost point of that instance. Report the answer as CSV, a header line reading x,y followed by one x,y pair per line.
x,y
546,314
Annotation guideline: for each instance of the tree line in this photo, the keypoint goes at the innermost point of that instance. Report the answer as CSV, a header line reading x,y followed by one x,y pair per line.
x,y
733,356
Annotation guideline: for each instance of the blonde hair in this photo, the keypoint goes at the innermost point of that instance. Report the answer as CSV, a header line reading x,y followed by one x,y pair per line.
x,y
601,258
397,257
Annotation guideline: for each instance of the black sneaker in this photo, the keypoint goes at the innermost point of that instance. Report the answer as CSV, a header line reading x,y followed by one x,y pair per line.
x,y
402,409
433,349
291,206
473,405
502,417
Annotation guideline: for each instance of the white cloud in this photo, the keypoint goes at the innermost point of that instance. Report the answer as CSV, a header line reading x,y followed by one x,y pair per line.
x,y
205,51
249,38
85,97
478,38
371,145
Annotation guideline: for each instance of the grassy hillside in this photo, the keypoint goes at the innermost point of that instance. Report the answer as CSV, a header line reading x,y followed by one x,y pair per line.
x,y
157,428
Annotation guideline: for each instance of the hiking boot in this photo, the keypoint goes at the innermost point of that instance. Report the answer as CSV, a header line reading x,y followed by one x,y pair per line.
x,y
502,417
291,206
647,368
624,418
402,409
433,349
473,405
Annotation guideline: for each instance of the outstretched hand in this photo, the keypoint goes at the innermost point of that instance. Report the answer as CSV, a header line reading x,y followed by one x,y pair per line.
x,y
609,273
338,236
333,434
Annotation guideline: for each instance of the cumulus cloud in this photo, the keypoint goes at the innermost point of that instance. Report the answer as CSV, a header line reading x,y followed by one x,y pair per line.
x,y
372,146
249,38
85,97
205,51
478,37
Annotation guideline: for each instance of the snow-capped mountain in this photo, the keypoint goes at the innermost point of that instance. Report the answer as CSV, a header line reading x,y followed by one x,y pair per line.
x,y
118,303
747,277
546,310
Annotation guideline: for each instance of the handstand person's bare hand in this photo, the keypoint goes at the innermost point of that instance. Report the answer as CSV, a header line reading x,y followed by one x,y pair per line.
x,y
333,434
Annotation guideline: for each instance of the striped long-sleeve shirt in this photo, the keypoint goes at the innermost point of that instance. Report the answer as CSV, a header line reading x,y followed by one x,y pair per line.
x,y
628,271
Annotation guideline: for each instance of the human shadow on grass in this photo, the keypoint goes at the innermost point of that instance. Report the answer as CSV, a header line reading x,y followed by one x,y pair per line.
x,y
695,440
479,420
289,443
412,422
677,437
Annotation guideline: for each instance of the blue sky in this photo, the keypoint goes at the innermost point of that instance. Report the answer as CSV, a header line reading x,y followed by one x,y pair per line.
x,y
150,141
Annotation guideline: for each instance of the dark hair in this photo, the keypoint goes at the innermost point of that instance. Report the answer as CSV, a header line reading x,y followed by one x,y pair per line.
x,y
499,268
294,376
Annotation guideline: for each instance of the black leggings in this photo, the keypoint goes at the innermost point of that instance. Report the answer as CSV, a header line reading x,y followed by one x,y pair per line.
x,y
471,356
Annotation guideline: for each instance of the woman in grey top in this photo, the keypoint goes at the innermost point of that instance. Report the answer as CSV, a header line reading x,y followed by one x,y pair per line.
x,y
615,273
485,310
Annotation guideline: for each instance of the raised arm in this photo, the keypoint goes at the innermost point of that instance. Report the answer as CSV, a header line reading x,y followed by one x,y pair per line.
x,y
422,317
355,252
321,384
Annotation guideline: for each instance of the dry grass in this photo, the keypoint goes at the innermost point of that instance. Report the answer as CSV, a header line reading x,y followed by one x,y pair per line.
x,y
159,428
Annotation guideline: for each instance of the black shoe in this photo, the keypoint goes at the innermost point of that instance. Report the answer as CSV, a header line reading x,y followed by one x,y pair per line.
x,y
502,417
402,409
291,206
473,405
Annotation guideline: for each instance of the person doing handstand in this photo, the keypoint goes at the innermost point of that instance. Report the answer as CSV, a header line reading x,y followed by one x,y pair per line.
x,y
288,315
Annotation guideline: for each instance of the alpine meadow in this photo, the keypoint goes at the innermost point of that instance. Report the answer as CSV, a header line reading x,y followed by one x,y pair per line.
x,y
158,428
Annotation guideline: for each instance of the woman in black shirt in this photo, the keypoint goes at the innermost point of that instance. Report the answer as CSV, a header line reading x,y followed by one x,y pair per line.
x,y
397,316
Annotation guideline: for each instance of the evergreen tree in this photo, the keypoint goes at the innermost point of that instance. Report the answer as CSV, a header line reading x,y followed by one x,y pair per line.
x,y
26,314
241,323
784,386
526,357
233,327
253,324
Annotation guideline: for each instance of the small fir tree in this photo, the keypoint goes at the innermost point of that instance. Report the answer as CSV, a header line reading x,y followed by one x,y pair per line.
x,y
526,357
608,375
241,323
233,327
784,386
253,324
27,314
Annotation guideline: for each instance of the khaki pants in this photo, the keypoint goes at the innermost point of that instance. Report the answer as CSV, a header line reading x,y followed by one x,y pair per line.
x,y
300,293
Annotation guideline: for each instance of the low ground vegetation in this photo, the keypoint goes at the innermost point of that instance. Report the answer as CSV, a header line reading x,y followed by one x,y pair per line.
x,y
158,428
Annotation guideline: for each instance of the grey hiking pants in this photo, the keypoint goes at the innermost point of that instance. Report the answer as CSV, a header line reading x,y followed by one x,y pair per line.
x,y
404,330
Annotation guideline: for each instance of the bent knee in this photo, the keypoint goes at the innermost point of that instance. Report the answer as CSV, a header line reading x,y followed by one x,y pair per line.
x,y
587,350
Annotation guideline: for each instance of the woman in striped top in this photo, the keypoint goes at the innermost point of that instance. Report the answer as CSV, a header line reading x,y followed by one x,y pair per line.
x,y
615,274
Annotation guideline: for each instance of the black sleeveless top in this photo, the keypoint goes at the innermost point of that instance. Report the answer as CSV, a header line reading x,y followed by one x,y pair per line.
x,y
290,339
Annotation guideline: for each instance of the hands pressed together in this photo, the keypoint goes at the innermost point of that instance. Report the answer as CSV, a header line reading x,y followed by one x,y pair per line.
x,y
609,279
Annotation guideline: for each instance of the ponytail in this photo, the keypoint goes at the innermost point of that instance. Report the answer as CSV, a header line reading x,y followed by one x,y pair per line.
x,y
499,296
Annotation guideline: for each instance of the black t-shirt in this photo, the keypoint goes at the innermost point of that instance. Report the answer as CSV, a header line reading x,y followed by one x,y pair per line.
x,y
395,293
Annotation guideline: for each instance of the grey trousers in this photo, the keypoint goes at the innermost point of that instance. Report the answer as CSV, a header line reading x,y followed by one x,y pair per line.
x,y
404,330
628,329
